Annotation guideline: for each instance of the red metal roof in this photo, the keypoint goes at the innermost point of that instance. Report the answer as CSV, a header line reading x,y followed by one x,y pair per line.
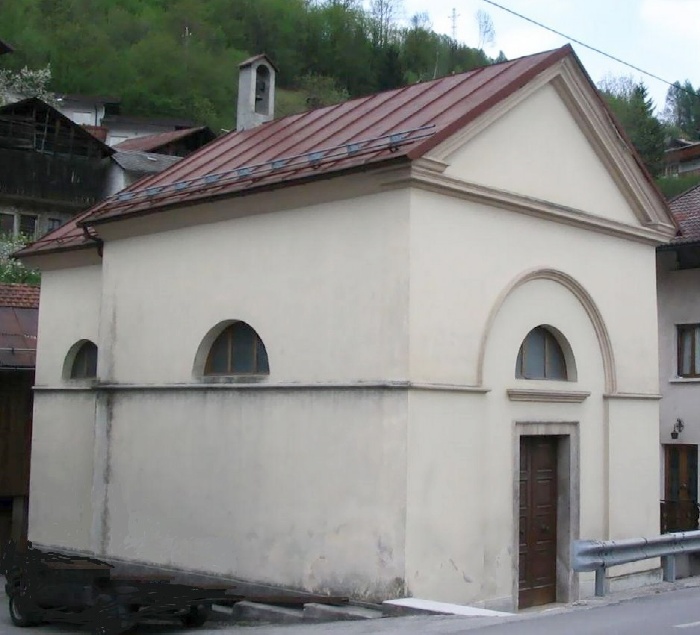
x,y
153,142
19,295
686,210
322,141
397,125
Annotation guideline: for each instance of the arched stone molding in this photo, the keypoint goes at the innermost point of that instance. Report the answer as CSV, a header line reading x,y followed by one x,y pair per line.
x,y
586,301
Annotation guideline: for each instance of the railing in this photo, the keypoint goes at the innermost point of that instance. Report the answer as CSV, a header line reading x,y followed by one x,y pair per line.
x,y
598,555
679,516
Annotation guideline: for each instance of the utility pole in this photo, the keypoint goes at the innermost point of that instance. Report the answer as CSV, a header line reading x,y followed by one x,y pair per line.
x,y
454,17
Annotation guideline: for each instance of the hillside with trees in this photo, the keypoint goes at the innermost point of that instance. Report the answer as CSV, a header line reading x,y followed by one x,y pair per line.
x,y
180,57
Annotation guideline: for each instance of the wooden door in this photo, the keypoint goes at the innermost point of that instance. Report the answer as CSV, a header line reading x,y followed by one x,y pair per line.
x,y
538,521
680,505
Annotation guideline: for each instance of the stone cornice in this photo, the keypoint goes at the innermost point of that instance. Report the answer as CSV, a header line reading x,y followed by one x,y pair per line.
x,y
233,385
427,179
594,120
548,396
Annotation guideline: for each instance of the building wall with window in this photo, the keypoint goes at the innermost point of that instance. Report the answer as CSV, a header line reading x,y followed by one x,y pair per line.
x,y
383,453
471,438
66,419
395,294
30,221
679,307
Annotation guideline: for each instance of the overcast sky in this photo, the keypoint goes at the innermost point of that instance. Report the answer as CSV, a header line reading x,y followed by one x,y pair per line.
x,y
659,36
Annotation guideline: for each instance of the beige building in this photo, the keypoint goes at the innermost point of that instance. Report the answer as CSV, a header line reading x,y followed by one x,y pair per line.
x,y
679,342
405,345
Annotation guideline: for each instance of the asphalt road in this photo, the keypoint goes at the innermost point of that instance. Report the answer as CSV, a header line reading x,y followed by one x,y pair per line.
x,y
669,613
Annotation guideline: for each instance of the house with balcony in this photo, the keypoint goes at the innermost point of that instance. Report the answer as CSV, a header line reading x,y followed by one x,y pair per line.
x,y
682,158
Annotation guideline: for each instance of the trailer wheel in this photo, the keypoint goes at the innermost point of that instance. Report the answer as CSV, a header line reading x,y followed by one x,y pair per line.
x,y
196,616
21,612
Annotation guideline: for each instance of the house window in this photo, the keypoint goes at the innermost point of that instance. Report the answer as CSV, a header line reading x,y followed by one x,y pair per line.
x,y
238,350
53,223
689,350
541,357
27,225
85,362
7,224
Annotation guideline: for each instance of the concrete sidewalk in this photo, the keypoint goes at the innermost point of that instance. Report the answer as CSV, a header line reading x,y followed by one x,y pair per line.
x,y
440,624
411,625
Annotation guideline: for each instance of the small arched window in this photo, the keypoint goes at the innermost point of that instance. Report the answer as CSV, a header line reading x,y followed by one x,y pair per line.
x,y
238,350
541,357
85,362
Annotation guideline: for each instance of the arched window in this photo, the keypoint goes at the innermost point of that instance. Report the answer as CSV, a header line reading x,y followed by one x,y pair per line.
x,y
541,357
238,350
84,364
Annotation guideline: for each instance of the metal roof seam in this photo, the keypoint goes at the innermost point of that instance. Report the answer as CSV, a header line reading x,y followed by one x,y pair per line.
x,y
331,154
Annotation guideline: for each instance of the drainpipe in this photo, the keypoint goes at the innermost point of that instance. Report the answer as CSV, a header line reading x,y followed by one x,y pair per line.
x,y
95,239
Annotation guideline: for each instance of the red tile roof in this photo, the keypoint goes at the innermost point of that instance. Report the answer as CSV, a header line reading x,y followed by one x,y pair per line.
x,y
153,142
394,126
686,210
19,295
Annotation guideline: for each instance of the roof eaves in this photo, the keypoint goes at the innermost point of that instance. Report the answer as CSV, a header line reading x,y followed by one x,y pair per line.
x,y
263,56
28,252
88,221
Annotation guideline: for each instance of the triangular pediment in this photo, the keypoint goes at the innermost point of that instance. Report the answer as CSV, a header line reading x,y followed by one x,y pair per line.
x,y
554,142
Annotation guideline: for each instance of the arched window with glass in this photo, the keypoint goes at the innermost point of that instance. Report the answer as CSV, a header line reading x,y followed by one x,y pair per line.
x,y
541,357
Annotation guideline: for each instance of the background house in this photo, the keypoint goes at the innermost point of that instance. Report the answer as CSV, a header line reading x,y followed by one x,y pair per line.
x,y
51,168
679,342
123,127
87,110
682,158
177,143
54,168
378,355
19,306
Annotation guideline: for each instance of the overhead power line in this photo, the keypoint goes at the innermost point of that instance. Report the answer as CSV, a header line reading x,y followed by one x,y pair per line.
x,y
589,47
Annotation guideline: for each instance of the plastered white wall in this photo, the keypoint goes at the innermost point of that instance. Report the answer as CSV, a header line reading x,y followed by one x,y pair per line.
x,y
363,491
60,501
538,149
300,489
325,287
463,256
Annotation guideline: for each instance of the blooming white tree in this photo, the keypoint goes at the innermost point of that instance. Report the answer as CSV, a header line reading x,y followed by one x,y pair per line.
x,y
12,270
26,83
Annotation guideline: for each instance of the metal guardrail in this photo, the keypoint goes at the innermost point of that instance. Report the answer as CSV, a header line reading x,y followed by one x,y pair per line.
x,y
598,555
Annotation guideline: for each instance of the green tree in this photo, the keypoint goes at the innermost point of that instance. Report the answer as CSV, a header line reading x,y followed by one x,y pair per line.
x,y
632,106
682,110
